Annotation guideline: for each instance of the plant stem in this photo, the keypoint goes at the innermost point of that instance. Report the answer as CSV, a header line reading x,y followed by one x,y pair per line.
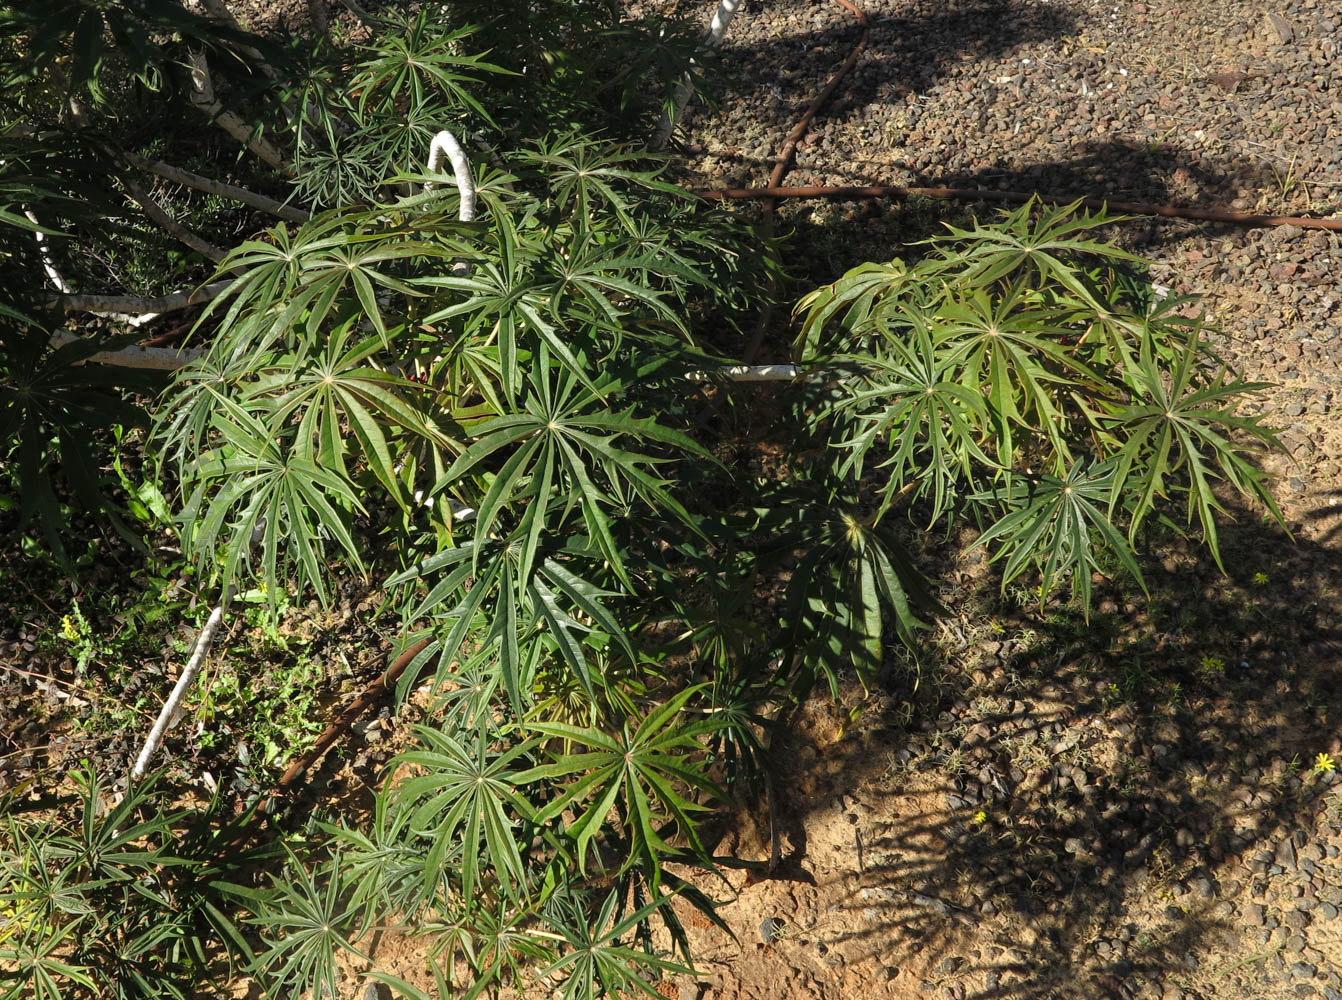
x,y
717,30
445,147
156,214
224,190
165,717
202,96
163,359
108,304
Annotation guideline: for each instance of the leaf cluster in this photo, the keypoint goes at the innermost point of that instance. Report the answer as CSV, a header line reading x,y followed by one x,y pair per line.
x,y
123,899
1012,375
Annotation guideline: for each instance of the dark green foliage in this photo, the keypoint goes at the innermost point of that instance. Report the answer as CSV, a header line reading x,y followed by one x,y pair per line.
x,y
56,418
492,418
1011,375
121,900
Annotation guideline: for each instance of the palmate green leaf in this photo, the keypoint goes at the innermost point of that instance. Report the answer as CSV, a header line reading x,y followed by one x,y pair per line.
x,y
567,440
912,412
494,943
1040,243
1008,350
851,582
587,178
593,284
638,774
51,410
305,920
466,803
92,41
1176,436
289,284
419,60
1058,526
513,619
504,300
338,395
850,301
254,488
40,971
595,961
383,864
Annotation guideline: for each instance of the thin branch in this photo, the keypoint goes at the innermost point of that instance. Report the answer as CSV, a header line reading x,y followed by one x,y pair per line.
x,y
107,304
223,190
202,96
163,359
220,12
168,224
166,716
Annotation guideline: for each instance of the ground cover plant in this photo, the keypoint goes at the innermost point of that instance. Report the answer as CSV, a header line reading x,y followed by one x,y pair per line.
x,y
492,397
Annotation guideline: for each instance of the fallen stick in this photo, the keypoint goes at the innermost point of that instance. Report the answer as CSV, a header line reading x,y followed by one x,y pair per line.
x,y
165,717
385,683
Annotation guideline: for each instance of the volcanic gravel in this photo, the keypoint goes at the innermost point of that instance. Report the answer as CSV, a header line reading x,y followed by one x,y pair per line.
x,y
1219,104
1033,835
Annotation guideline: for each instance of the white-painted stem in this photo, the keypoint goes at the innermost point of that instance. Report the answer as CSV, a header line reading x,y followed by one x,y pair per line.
x,y
163,359
166,716
146,308
751,373
44,252
170,359
717,30
202,96
211,186
445,147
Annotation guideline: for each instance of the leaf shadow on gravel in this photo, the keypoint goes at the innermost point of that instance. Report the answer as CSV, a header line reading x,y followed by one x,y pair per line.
x,y
1112,809
777,78
1129,170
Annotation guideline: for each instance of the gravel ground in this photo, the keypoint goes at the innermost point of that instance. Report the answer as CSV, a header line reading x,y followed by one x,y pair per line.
x,y
1123,809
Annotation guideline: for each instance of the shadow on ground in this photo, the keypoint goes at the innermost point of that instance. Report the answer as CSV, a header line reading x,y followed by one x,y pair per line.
x,y
1096,809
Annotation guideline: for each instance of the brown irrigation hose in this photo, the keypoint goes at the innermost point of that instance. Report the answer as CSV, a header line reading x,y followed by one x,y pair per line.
x,y
379,688
784,162
789,151
982,194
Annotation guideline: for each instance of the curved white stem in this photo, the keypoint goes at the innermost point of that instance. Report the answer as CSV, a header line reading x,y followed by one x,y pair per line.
x,y
445,147
44,252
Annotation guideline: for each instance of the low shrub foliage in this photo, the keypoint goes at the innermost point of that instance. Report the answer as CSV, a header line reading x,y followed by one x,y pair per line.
x,y
494,419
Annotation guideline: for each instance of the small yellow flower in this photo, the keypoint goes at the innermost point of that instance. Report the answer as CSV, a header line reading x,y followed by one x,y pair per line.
x,y
68,629
1324,763
980,817
1260,579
